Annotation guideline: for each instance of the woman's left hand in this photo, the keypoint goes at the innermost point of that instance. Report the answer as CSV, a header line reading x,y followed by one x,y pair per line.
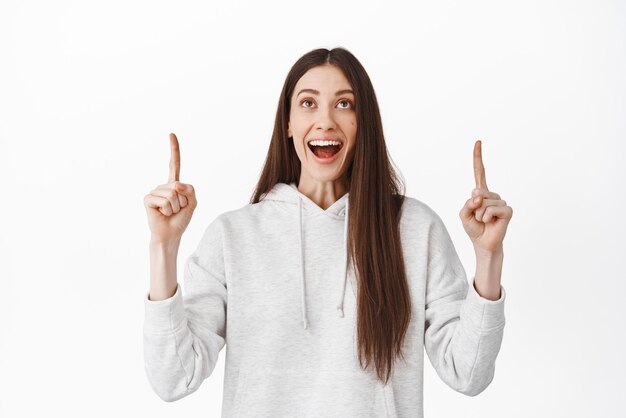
x,y
485,221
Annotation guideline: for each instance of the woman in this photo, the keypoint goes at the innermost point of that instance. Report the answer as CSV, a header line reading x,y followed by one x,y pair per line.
x,y
330,284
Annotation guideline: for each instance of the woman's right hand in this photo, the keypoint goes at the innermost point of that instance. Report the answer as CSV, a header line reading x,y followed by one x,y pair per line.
x,y
170,206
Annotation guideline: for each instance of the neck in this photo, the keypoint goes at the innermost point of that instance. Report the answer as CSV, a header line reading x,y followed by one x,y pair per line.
x,y
323,193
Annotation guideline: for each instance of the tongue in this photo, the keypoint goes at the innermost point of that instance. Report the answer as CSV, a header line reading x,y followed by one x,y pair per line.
x,y
326,151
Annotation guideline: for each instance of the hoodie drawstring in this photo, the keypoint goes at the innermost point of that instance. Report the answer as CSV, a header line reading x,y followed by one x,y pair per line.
x,y
345,269
302,284
345,266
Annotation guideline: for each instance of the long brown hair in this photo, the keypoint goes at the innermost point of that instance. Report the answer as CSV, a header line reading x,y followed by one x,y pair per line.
x,y
375,199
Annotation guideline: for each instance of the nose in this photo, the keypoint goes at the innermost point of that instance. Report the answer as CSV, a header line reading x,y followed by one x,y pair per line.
x,y
325,119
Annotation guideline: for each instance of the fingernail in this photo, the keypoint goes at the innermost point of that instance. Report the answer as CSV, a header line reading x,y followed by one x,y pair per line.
x,y
476,199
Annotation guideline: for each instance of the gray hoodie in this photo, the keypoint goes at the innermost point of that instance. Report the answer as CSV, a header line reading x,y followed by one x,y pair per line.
x,y
271,282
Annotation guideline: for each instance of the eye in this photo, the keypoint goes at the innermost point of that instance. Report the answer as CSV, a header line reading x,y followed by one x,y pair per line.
x,y
348,102
304,101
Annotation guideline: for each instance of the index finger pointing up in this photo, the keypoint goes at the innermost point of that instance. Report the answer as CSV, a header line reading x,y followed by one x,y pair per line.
x,y
479,168
174,159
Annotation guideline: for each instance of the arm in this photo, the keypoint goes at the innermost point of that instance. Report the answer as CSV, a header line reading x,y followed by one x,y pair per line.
x,y
463,330
163,276
183,336
488,273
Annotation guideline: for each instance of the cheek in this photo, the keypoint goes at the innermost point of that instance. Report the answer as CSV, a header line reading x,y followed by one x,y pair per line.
x,y
352,135
299,145
352,128
299,126
347,122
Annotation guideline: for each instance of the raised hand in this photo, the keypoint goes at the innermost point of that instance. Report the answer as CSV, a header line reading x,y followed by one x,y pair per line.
x,y
171,205
485,220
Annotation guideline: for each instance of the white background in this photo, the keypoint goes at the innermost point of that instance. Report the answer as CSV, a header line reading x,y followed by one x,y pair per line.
x,y
89,92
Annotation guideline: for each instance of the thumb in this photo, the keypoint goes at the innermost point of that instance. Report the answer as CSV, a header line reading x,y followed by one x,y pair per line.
x,y
182,188
187,191
467,212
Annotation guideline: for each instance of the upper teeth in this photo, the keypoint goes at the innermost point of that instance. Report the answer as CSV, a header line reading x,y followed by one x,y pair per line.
x,y
319,142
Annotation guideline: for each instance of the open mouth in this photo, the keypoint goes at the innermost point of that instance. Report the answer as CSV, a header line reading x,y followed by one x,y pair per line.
x,y
325,149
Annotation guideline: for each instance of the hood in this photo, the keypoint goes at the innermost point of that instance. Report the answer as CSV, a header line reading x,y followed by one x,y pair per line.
x,y
289,194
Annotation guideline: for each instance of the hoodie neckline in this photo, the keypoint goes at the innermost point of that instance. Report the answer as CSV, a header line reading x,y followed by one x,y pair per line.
x,y
338,208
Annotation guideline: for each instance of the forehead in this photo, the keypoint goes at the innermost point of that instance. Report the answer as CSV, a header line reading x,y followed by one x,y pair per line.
x,y
325,78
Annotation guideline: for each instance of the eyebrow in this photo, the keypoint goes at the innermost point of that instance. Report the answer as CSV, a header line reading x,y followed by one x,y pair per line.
x,y
313,91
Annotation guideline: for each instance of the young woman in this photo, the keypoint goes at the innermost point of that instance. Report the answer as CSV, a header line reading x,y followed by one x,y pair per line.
x,y
327,287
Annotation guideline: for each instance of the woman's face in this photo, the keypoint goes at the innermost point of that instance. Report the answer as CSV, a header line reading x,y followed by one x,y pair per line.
x,y
323,108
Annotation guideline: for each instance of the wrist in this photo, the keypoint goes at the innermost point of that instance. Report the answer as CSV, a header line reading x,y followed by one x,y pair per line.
x,y
489,254
164,246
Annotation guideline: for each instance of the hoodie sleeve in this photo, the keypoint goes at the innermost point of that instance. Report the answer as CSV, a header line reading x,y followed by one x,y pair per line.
x,y
463,331
183,336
